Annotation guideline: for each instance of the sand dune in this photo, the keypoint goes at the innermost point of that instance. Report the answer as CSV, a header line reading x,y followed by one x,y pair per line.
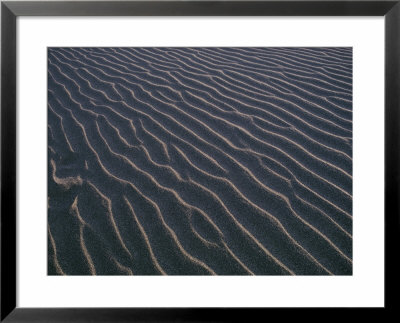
x,y
199,161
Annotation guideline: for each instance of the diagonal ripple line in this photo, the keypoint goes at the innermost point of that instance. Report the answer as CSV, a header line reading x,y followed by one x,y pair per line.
x,y
200,161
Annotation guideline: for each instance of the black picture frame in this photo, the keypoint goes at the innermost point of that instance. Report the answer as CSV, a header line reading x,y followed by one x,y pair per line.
x,y
10,10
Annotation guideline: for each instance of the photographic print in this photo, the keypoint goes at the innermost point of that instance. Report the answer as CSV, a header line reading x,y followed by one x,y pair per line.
x,y
200,161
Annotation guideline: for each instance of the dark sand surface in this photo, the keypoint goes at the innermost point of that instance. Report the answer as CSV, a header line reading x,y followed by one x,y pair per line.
x,y
200,161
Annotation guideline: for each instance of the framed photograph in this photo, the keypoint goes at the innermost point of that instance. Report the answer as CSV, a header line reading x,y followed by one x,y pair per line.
x,y
197,160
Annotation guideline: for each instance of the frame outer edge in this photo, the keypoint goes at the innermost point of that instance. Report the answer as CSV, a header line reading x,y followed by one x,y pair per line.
x,y
203,8
392,149
8,155
8,161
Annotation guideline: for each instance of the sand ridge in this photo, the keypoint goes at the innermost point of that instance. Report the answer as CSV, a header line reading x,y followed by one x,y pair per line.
x,y
200,161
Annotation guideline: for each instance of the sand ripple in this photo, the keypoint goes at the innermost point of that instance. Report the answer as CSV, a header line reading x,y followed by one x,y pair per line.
x,y
200,161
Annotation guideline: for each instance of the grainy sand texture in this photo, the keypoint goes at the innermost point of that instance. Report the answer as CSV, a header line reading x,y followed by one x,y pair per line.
x,y
200,161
